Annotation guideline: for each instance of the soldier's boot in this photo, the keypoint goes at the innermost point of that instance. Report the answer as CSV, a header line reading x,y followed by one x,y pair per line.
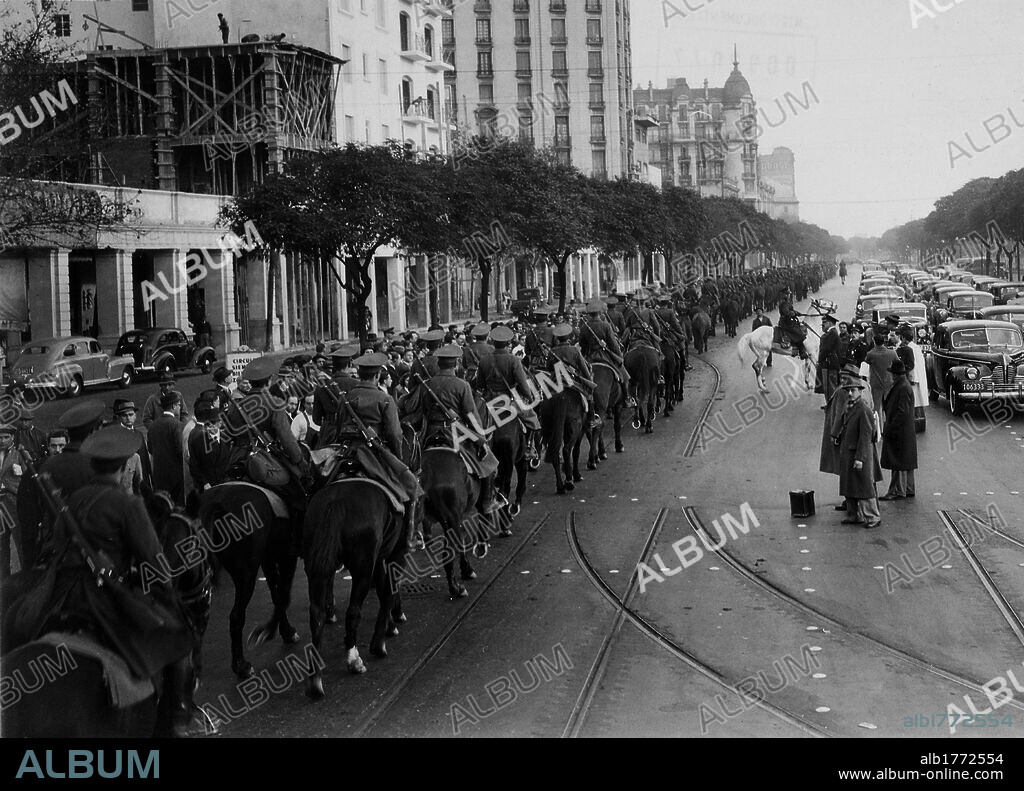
x,y
593,419
487,503
531,447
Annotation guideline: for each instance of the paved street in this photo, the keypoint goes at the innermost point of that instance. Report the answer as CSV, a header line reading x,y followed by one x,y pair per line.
x,y
802,602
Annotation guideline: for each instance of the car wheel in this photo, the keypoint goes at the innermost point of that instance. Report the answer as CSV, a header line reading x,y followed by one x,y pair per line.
x,y
75,386
126,378
955,404
166,367
206,365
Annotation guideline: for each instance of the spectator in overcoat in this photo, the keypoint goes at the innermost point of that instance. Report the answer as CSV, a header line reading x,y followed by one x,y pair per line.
x,y
899,439
859,469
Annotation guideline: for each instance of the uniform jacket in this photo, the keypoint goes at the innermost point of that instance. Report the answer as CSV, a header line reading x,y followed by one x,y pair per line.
x,y
899,437
266,414
857,443
501,370
167,446
454,393
591,333
33,439
617,320
325,406
534,336
572,357
378,412
208,459
152,410
829,356
474,353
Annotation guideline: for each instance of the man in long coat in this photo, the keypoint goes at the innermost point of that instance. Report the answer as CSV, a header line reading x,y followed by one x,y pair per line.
x,y
859,470
899,439
835,411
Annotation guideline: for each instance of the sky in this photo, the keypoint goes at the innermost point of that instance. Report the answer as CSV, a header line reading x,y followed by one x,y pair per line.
x,y
874,150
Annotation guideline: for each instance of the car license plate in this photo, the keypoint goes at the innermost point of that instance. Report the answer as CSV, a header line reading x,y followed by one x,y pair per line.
x,y
973,387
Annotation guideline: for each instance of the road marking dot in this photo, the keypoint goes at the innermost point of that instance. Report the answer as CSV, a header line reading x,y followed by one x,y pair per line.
x,y
806,568
809,590
947,566
805,552
810,628
524,572
435,576
819,675
989,492
682,497
879,568
567,571
868,725
614,571
823,709
937,494
536,502
582,501
634,499
815,648
612,496
801,525
963,492
713,568
1014,492
803,538
346,577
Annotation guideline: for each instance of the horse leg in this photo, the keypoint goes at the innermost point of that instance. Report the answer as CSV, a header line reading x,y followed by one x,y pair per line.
x,y
576,446
382,583
318,593
330,612
245,584
617,425
522,466
456,590
362,571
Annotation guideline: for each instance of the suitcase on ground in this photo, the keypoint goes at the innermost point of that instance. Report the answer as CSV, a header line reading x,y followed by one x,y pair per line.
x,y
801,503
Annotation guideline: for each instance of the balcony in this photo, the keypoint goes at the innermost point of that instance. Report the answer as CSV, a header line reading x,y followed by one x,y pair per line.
x,y
485,40
417,113
597,104
562,141
524,74
559,41
437,8
485,73
414,49
642,117
522,41
520,6
595,41
593,6
598,139
595,71
445,65
557,6
560,73
481,6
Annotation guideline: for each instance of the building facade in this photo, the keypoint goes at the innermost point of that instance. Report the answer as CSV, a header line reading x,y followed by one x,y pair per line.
x,y
778,169
705,138
551,72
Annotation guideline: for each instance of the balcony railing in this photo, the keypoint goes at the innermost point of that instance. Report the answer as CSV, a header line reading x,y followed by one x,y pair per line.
x,y
595,71
595,41
524,74
482,7
414,48
559,40
484,38
521,6
562,141
593,6
597,104
598,139
522,40
560,72
484,72
557,6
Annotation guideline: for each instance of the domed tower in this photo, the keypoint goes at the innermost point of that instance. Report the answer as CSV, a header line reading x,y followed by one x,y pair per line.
x,y
740,167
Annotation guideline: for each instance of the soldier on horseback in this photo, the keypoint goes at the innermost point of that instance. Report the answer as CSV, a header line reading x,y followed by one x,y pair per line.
x,y
600,344
443,407
265,450
790,324
501,373
539,338
325,399
475,351
578,368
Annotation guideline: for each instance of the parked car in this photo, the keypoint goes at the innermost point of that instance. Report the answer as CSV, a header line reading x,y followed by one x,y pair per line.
x,y
914,314
964,305
1011,313
874,302
974,361
526,300
67,365
163,349
1009,293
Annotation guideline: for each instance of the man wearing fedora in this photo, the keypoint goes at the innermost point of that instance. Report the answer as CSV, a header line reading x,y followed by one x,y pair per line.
x,y
859,470
835,411
899,438
829,358
126,414
152,409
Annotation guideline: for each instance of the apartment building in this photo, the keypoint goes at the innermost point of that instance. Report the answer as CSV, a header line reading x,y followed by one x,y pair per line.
x,y
778,170
552,72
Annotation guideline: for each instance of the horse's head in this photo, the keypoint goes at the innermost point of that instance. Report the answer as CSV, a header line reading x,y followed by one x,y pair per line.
x,y
182,546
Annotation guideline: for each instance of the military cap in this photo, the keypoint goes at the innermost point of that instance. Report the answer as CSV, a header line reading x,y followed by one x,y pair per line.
x,y
112,443
433,336
260,369
850,369
388,330
541,310
481,330
502,335
81,415
612,300
122,405
829,318
562,330
7,428
451,350
165,377
397,347
851,381
221,375
371,360
595,306
343,353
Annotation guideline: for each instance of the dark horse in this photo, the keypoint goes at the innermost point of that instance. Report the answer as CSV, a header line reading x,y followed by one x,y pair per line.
x,y
561,418
672,371
508,443
351,522
248,527
702,330
644,369
449,499
608,398
70,697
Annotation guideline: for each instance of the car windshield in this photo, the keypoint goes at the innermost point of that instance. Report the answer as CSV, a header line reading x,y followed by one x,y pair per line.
x,y
990,338
134,337
910,312
35,350
972,302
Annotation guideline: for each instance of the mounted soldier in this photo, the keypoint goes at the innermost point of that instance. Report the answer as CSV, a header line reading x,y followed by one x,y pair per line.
x,y
790,325
474,352
502,373
325,397
539,338
427,366
578,368
599,343
444,409
615,317
265,450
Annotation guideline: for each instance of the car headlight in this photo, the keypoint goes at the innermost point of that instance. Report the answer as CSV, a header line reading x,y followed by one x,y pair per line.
x,y
972,373
921,332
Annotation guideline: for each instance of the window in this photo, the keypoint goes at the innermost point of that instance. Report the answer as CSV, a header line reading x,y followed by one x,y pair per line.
x,y
522,30
382,13
597,127
345,5
600,164
594,61
483,64
385,132
523,61
486,93
62,25
350,128
140,5
346,54
596,93
406,93
558,61
403,32
366,130
525,128
593,31
448,31
525,90
382,66
366,67
483,31
94,348
428,41
561,130
558,29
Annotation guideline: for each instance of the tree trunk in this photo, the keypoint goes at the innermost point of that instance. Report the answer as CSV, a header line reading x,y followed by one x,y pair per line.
x,y
485,285
268,339
560,281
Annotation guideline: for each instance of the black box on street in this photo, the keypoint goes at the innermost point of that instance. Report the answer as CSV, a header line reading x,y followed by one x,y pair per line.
x,y
801,503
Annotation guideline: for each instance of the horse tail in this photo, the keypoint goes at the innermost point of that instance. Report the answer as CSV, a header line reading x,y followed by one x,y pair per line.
x,y
555,429
322,540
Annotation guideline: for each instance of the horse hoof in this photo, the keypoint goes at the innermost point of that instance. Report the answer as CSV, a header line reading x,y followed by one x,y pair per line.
x,y
243,669
259,636
459,593
591,465
505,533
468,574
401,618
569,486
393,631
356,667
379,651
315,688
577,477
513,510
648,430
602,456
291,635
331,617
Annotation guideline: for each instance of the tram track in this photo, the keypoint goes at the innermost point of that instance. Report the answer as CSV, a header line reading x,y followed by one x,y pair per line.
x,y
991,528
383,704
744,571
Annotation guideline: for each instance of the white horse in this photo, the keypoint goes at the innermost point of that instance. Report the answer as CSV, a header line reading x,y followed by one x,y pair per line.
x,y
754,348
